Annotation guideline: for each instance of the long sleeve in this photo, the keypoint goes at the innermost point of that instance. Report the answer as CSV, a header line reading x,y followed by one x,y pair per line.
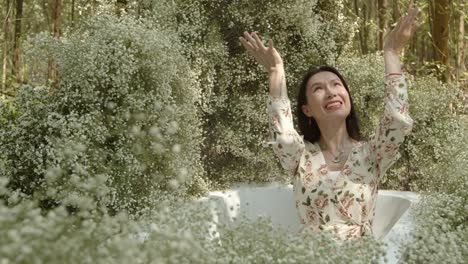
x,y
287,144
393,127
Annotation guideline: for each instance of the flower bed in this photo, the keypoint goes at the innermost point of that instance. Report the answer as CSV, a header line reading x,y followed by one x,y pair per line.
x,y
392,222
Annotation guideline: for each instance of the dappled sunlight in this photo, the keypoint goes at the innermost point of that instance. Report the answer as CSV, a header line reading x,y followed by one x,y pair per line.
x,y
133,134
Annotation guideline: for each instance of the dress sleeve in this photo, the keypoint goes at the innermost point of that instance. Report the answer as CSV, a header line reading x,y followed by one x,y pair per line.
x,y
394,126
287,144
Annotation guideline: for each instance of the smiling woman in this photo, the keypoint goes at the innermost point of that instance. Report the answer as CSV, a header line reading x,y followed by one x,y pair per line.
x,y
337,88
334,174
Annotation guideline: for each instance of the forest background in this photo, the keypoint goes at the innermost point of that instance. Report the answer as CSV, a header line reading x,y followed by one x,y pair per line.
x,y
112,110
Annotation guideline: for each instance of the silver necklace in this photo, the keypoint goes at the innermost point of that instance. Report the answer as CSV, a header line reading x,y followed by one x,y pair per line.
x,y
337,159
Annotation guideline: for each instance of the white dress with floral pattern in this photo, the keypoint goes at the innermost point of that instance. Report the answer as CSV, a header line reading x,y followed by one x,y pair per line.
x,y
344,206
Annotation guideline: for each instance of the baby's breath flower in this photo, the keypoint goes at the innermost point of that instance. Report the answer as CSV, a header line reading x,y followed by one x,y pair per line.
x,y
176,148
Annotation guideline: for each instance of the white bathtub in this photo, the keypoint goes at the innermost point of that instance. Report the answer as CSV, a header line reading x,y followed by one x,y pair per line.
x,y
392,223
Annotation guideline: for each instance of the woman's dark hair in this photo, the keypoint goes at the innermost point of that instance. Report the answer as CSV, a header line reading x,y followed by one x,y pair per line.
x,y
307,125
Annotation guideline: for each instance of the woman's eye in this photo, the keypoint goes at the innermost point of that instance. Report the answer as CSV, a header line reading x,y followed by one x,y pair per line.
x,y
337,83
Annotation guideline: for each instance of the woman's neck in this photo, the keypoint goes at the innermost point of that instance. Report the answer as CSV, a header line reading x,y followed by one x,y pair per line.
x,y
334,136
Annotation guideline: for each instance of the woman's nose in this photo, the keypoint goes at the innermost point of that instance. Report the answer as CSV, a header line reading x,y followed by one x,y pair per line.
x,y
330,92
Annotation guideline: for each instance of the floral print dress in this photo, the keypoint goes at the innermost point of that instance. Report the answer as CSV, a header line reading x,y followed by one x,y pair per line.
x,y
343,205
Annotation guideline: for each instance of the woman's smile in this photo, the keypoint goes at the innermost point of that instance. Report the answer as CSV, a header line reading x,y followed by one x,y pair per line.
x,y
326,95
333,105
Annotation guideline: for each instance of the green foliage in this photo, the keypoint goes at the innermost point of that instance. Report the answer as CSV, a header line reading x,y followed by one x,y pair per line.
x,y
228,81
260,242
440,230
365,78
436,148
171,101
433,159
177,234
234,87
121,123
177,231
24,126
433,154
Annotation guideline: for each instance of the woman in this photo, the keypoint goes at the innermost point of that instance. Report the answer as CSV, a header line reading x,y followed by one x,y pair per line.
x,y
334,174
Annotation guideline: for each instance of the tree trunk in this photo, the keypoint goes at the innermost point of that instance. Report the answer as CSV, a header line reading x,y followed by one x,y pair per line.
x,y
441,35
361,28
45,12
365,28
382,10
16,41
56,22
94,6
6,27
372,16
72,15
56,18
461,67
121,6
423,51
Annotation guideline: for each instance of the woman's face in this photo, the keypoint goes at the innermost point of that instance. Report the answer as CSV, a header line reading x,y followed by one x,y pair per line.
x,y
327,97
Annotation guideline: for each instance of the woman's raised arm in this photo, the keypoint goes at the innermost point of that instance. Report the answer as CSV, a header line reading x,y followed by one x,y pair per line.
x,y
271,61
397,38
396,122
284,139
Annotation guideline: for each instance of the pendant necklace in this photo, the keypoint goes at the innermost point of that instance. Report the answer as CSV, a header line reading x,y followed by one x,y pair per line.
x,y
337,159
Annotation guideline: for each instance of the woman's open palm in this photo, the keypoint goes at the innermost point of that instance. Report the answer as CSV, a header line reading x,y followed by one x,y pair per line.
x,y
268,57
397,38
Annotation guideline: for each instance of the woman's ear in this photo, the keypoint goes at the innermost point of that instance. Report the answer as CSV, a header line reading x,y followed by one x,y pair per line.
x,y
306,111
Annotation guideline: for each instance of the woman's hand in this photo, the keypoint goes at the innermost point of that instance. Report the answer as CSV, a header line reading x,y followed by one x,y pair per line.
x,y
398,37
271,61
403,31
268,57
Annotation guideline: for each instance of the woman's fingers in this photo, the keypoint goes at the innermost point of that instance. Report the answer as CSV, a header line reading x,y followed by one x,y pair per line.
x,y
400,34
268,57
418,21
258,41
244,43
407,23
248,46
254,40
418,18
411,16
411,21
414,11
251,49
398,24
270,44
251,40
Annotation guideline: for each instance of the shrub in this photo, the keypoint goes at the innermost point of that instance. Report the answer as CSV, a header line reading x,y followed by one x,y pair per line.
x,y
31,236
433,153
121,123
260,242
144,105
233,108
440,230
175,232
233,87
237,124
